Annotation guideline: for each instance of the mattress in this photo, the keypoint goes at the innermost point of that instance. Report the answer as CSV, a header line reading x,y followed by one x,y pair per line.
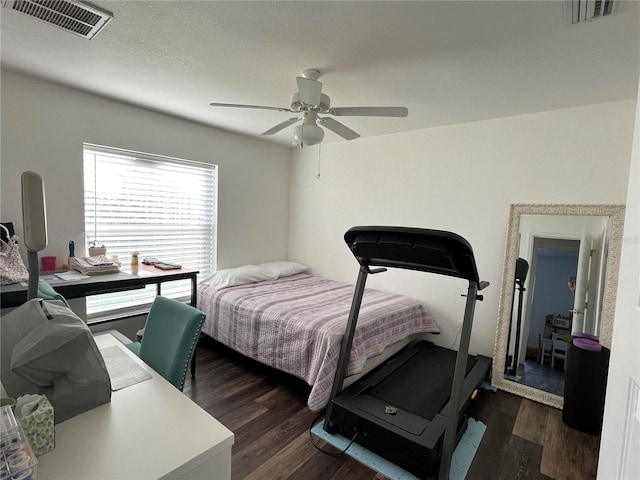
x,y
296,324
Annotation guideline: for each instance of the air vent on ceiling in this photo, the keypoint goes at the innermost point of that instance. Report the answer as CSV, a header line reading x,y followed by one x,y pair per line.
x,y
579,11
74,16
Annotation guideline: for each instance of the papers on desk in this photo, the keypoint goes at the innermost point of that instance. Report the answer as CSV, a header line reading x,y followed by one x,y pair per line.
x,y
70,275
123,371
94,265
47,278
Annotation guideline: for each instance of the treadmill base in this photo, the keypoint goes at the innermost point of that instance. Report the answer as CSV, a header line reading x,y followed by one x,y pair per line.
x,y
391,419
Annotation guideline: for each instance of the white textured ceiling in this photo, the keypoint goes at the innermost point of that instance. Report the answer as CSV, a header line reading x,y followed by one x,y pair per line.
x,y
448,62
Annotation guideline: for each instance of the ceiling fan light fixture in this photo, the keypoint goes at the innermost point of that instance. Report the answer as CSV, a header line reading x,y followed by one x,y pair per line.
x,y
306,135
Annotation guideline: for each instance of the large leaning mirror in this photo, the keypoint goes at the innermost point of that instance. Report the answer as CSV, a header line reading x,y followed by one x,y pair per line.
x,y
559,281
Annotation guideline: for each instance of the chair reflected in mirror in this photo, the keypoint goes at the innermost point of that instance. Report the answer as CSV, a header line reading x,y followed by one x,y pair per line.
x,y
545,349
559,351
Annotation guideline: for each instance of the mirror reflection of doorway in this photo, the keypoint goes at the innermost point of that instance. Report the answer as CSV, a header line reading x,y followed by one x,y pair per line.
x,y
548,316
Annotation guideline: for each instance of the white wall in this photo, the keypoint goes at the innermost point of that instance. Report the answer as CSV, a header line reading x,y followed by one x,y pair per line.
x,y
621,429
460,178
43,129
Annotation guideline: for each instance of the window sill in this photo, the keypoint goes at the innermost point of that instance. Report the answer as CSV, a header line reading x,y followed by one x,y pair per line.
x,y
124,313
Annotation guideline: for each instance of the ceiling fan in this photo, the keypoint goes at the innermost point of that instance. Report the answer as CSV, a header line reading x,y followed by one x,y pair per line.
x,y
309,103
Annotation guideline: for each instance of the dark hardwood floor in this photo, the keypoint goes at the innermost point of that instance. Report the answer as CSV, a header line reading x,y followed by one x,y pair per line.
x,y
267,412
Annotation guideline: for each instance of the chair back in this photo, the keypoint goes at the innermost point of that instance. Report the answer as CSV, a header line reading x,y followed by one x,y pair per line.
x,y
46,292
560,346
170,337
562,336
559,350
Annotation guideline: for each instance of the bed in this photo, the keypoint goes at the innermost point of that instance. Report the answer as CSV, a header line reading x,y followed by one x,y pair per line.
x,y
294,322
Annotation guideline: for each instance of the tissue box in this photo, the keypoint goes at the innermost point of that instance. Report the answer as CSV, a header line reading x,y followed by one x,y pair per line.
x,y
38,426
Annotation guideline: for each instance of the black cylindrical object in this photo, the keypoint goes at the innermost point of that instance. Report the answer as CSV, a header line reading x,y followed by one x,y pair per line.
x,y
522,267
585,386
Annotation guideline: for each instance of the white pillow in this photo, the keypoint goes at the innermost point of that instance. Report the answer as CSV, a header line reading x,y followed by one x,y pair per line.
x,y
282,269
239,276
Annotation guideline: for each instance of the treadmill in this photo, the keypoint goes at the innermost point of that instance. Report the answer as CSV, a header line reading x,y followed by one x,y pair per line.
x,y
410,409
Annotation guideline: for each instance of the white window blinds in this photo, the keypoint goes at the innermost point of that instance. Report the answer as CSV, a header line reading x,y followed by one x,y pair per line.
x,y
158,206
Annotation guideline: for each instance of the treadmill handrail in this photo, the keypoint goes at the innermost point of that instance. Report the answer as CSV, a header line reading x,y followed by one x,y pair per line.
x,y
426,250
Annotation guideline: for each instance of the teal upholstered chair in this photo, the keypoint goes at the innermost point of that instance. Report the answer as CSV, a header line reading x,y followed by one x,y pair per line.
x,y
169,340
46,292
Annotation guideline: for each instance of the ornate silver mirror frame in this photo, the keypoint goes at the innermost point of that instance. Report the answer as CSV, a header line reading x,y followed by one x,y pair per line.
x,y
616,214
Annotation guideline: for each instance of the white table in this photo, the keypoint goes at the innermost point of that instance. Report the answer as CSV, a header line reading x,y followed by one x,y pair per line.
x,y
149,430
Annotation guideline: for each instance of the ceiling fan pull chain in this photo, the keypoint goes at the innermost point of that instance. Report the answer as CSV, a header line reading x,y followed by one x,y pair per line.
x,y
319,152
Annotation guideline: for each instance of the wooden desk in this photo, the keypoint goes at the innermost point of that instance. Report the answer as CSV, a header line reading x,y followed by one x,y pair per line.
x,y
149,430
127,279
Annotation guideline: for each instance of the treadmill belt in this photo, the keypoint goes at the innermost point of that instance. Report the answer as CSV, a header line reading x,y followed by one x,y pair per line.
x,y
423,384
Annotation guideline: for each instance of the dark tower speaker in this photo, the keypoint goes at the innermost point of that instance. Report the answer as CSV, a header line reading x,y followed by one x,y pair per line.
x,y
585,386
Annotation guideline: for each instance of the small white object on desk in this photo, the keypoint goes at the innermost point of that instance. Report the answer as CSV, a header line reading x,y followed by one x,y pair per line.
x,y
70,275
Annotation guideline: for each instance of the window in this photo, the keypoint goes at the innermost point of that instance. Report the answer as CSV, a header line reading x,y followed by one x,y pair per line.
x,y
159,206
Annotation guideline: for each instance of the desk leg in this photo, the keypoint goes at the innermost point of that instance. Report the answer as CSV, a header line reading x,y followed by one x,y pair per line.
x,y
194,302
194,291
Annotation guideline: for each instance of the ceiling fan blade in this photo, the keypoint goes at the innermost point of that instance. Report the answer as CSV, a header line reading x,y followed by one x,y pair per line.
x,y
310,91
280,126
260,107
369,111
337,127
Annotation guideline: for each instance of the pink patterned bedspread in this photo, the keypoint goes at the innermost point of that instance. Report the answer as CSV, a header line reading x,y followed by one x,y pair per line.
x,y
296,324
